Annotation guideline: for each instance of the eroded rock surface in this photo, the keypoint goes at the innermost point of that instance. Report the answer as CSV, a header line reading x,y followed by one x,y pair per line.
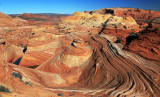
x,y
6,20
147,44
136,13
83,56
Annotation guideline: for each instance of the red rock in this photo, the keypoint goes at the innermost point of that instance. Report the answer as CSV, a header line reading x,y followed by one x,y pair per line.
x,y
136,13
80,60
147,44
6,20
41,19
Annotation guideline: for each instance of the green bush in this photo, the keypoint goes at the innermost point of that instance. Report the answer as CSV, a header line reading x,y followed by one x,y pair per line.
x,y
125,27
17,75
4,89
118,40
60,94
28,83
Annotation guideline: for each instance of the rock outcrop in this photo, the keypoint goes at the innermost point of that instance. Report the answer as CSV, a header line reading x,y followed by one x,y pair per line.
x,y
96,19
147,44
6,20
136,13
88,65
108,24
42,19
81,57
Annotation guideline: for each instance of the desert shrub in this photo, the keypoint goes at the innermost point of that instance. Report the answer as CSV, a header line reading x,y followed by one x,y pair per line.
x,y
115,26
134,34
4,89
25,49
33,33
3,43
124,27
60,94
17,75
118,40
28,83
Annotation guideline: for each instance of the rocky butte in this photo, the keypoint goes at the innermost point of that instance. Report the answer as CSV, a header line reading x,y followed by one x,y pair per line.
x,y
111,52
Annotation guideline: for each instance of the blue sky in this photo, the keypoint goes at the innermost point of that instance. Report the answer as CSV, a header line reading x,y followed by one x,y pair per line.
x,y
70,6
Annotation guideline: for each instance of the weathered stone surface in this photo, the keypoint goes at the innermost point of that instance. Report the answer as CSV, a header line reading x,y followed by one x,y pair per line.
x,y
6,20
81,57
147,44
136,13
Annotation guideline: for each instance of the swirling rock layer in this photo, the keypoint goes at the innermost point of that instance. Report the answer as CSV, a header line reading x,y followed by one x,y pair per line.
x,y
82,59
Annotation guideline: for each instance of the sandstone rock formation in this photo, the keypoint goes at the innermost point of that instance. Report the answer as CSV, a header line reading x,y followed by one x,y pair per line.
x,y
6,20
147,43
81,57
97,19
89,65
103,23
42,19
136,13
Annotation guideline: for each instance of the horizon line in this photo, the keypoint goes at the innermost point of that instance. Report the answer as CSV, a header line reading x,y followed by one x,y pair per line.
x,y
73,12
